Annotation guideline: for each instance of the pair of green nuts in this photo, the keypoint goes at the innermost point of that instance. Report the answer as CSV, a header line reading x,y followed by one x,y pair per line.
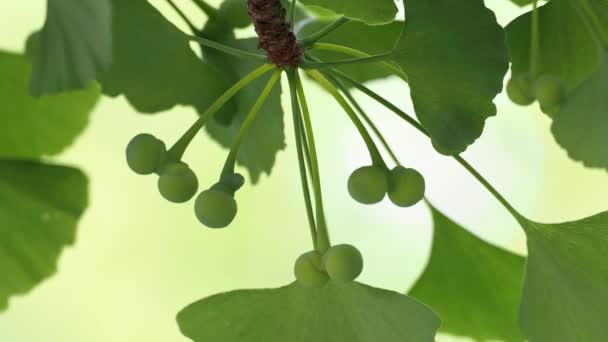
x,y
370,184
342,263
549,90
177,183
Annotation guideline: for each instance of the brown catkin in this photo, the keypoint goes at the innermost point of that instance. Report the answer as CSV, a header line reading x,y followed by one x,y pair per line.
x,y
274,32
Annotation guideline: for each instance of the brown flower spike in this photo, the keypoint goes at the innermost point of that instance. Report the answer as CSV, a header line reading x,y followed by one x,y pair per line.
x,y
274,32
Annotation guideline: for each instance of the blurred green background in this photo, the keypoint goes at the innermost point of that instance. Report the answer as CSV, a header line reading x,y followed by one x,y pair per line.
x,y
139,260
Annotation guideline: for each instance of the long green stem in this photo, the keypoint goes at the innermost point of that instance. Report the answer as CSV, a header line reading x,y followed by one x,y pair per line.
x,y
297,127
323,241
322,65
367,119
292,14
253,113
416,125
359,54
206,8
306,42
369,142
182,15
534,42
227,49
177,151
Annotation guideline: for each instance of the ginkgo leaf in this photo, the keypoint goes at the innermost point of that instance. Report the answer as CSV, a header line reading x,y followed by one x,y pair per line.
x,y
335,313
33,127
374,12
581,125
473,286
40,206
572,55
565,292
373,40
154,66
455,67
75,44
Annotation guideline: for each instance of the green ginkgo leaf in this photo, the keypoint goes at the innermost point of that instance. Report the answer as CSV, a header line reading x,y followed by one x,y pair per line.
x,y
473,286
572,55
75,44
40,206
565,293
374,12
154,66
581,125
33,127
455,59
333,313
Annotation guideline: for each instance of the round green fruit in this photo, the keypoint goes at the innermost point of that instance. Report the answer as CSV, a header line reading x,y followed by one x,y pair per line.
x,y
520,89
215,208
177,183
406,186
343,262
145,154
550,91
308,270
368,185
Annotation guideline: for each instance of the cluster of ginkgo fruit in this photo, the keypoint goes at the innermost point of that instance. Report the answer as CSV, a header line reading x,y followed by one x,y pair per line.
x,y
523,89
177,183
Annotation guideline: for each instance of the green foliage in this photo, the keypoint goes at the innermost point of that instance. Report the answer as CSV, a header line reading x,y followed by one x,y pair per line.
x,y
343,263
337,312
564,294
75,44
581,126
472,285
177,182
406,186
370,12
368,184
145,154
215,208
455,67
38,127
154,67
40,206
572,55
309,270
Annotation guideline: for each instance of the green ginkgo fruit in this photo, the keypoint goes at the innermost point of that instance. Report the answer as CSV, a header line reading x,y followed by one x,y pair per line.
x,y
406,186
177,183
343,262
215,208
550,92
520,89
145,154
308,270
368,184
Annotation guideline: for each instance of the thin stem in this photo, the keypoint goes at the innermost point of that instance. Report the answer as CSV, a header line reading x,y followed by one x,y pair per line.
x,y
321,65
369,142
534,41
367,120
594,22
297,127
416,125
185,18
227,49
206,8
357,53
306,42
323,241
177,151
292,14
253,113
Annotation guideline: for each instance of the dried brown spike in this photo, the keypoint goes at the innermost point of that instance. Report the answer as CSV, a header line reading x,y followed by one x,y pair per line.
x,y
274,32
